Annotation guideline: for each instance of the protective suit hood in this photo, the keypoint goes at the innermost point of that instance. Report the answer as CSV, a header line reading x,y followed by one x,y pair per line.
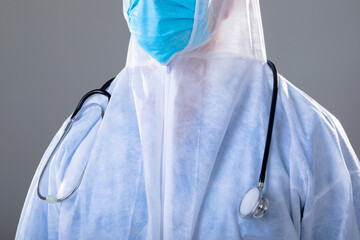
x,y
231,27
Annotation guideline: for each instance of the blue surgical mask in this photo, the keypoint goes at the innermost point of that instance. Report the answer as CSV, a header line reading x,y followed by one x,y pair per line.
x,y
162,28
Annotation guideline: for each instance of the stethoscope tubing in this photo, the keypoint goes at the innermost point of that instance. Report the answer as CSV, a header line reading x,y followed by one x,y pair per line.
x,y
103,91
270,124
53,198
260,205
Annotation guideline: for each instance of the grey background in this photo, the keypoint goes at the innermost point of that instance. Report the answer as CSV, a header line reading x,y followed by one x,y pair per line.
x,y
52,52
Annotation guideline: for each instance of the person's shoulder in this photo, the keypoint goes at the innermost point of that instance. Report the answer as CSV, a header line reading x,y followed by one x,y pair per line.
x,y
302,110
315,127
311,125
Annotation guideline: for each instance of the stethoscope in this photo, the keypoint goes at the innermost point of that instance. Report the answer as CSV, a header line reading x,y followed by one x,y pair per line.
x,y
53,198
253,202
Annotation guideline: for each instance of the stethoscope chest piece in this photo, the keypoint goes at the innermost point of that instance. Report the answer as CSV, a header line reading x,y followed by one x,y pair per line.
x,y
253,204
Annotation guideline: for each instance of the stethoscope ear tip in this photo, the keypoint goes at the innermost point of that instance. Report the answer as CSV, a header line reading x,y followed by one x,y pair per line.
x,y
51,199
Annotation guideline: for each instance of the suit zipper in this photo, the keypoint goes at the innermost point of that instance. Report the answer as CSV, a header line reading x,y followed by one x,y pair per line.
x,y
164,146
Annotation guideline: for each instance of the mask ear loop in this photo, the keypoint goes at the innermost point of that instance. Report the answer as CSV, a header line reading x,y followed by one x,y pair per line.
x,y
73,118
